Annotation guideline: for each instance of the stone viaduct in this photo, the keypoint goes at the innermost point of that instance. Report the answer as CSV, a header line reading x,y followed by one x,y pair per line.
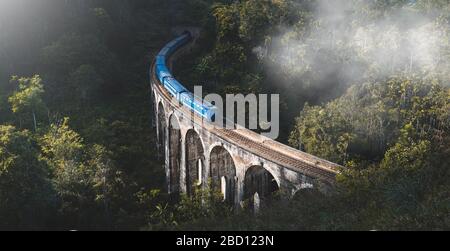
x,y
240,162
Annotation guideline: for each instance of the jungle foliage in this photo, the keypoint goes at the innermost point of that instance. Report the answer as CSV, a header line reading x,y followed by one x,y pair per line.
x,y
77,147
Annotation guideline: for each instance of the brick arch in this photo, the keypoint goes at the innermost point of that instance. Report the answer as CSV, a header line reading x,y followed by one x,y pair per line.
x,y
195,154
259,180
175,149
162,125
222,172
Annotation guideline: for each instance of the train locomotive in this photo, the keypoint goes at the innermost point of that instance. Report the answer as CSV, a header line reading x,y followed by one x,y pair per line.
x,y
175,88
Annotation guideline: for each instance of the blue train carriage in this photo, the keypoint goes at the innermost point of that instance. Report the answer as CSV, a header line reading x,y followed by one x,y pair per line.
x,y
162,72
203,109
174,87
179,41
173,45
210,113
161,59
187,99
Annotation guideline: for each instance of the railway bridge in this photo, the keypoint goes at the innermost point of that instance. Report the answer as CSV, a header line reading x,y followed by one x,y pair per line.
x,y
239,162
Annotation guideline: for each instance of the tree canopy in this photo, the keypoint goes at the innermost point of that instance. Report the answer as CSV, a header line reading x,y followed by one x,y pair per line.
x,y
362,83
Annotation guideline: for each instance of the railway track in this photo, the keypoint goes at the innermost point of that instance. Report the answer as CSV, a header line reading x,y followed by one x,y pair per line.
x,y
274,155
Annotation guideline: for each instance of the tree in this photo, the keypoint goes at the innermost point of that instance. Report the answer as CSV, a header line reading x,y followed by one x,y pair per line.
x,y
74,50
62,149
28,99
85,83
107,181
27,199
86,178
81,64
367,120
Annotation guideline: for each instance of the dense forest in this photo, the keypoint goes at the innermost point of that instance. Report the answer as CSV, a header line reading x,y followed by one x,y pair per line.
x,y
363,83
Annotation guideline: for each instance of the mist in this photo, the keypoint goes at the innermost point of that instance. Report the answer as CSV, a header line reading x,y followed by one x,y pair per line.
x,y
354,40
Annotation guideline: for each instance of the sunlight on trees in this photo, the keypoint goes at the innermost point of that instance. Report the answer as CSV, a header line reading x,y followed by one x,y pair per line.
x,y
27,101
364,84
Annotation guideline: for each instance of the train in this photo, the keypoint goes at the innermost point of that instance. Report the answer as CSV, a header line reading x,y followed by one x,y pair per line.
x,y
174,87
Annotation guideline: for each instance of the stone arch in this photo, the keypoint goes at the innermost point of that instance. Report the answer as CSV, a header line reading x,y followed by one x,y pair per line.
x,y
259,180
222,172
195,160
307,194
162,125
174,154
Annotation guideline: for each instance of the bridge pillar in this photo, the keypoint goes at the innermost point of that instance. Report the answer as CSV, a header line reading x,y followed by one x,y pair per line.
x,y
206,171
157,128
240,175
183,187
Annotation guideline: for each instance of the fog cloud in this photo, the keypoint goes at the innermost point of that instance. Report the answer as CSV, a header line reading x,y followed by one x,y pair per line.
x,y
355,40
